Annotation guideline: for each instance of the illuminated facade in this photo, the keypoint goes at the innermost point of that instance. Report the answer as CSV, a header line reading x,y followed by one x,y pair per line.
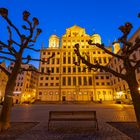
x,y
3,82
26,85
67,81
120,87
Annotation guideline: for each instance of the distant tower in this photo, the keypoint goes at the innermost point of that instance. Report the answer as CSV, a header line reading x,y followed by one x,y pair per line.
x,y
96,38
116,47
54,41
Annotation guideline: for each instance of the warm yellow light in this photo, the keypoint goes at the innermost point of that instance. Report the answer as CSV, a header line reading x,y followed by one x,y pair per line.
x,y
120,93
139,88
29,95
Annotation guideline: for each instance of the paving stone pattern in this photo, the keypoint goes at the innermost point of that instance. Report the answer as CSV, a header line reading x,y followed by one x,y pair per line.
x,y
74,130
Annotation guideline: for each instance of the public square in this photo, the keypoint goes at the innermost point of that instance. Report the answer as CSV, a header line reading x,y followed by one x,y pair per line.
x,y
73,130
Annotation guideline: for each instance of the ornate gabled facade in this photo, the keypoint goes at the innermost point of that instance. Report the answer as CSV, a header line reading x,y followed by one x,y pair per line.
x,y
68,82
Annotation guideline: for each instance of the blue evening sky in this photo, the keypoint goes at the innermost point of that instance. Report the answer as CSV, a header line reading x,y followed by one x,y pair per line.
x,y
96,16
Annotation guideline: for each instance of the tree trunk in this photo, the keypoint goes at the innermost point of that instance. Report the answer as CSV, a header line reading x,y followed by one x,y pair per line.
x,y
133,86
8,100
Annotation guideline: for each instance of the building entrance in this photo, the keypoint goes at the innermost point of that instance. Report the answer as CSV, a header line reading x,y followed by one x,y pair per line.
x,y
63,98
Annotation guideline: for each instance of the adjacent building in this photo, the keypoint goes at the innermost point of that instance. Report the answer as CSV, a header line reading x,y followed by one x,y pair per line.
x,y
3,82
120,87
26,85
68,82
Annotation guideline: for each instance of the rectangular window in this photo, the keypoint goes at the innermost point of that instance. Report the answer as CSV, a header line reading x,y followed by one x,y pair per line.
x,y
90,81
52,70
51,84
103,83
102,77
41,84
108,83
64,81
74,81
96,77
64,60
69,60
52,78
64,69
42,70
85,81
97,83
41,78
69,81
74,69
107,77
100,61
53,61
57,60
79,81
57,84
79,69
105,60
69,69
57,70
57,78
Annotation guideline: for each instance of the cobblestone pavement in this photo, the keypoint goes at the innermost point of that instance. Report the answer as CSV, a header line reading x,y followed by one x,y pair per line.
x,y
73,130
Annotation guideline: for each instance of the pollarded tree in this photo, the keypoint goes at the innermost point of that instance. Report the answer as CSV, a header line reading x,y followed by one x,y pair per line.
x,y
13,51
128,71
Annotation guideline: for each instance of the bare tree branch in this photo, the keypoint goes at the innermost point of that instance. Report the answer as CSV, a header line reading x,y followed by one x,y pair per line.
x,y
28,58
5,70
30,48
11,49
12,25
3,52
101,46
6,58
97,65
